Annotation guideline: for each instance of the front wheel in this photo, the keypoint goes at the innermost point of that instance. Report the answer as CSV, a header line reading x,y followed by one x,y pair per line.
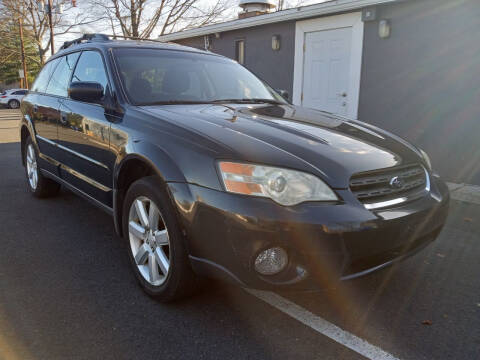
x,y
155,242
38,185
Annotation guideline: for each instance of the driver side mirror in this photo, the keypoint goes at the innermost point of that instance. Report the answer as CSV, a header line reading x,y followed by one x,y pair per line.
x,y
86,91
284,94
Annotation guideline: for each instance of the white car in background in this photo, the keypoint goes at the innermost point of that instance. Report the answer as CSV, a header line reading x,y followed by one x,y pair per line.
x,y
12,98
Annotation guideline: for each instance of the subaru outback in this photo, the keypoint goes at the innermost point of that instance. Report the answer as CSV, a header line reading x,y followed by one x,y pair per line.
x,y
209,172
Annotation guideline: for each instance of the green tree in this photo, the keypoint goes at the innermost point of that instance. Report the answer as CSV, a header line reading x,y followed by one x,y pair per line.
x,y
35,19
10,55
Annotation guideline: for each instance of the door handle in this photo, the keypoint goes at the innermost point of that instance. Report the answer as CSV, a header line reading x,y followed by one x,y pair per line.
x,y
63,118
343,94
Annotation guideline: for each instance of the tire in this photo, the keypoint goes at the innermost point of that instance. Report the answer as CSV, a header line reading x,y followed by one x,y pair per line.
x,y
155,243
14,104
38,185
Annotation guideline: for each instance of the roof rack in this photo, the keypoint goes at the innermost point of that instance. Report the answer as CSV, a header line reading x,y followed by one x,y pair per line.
x,y
102,38
85,38
134,38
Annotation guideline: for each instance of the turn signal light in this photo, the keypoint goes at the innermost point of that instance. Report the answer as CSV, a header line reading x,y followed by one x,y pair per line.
x,y
236,182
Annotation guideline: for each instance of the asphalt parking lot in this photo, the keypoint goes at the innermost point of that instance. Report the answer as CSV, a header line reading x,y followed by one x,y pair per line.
x,y
67,292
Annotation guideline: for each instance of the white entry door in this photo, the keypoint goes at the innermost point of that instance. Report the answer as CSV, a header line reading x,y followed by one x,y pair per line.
x,y
327,70
328,62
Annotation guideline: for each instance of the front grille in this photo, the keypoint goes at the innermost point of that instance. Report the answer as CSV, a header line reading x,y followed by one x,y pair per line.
x,y
376,186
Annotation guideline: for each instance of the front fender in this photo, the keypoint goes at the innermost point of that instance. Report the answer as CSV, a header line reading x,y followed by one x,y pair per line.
x,y
155,157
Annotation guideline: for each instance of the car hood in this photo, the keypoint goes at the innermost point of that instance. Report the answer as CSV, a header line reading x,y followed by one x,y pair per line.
x,y
291,136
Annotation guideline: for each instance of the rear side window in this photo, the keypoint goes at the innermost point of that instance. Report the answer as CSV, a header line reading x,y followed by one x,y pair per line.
x,y
20,92
58,84
90,68
41,81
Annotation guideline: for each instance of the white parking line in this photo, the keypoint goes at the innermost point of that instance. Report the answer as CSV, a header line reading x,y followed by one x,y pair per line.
x,y
322,326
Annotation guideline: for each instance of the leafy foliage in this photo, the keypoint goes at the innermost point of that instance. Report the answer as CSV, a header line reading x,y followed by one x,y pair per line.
x,y
10,55
36,20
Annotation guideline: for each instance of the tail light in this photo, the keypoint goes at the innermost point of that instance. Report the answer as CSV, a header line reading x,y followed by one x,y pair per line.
x,y
3,97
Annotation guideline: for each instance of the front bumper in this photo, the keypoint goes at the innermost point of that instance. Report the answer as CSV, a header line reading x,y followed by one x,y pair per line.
x,y
325,242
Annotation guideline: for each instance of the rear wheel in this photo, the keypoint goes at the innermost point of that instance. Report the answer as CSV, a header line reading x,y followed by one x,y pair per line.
x,y
155,242
38,185
14,104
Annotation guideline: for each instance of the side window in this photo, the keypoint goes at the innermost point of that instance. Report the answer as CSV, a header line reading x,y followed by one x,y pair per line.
x,y
41,81
58,84
240,51
90,68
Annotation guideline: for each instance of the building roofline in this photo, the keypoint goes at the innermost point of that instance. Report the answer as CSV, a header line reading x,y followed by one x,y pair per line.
x,y
303,12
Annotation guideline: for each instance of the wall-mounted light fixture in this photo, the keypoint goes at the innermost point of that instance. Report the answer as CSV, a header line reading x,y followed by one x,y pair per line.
x,y
217,35
384,29
276,42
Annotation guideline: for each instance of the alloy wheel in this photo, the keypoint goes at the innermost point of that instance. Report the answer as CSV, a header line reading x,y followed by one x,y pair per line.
x,y
149,240
14,104
32,170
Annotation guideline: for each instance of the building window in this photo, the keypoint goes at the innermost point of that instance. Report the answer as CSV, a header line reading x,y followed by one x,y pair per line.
x,y
240,51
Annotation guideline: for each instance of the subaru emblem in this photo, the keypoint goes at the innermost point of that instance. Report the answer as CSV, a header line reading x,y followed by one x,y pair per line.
x,y
396,183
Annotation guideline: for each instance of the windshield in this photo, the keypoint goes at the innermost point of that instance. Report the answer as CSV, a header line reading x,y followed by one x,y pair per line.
x,y
155,76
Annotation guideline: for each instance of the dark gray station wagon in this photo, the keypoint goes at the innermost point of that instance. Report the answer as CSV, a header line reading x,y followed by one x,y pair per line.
x,y
208,171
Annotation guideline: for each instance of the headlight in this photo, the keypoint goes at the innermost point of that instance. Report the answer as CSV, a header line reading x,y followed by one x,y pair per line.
x,y
286,187
426,158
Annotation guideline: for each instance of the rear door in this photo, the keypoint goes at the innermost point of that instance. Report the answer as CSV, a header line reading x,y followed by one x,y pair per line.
x,y
42,109
84,133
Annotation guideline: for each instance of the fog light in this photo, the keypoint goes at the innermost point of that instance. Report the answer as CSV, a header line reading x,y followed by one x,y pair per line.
x,y
271,261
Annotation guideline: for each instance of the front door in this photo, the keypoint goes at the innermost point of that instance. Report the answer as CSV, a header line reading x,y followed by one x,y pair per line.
x,y
84,135
326,68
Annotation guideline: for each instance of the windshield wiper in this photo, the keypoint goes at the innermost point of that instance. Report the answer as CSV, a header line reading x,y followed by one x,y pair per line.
x,y
247,101
175,102
218,101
